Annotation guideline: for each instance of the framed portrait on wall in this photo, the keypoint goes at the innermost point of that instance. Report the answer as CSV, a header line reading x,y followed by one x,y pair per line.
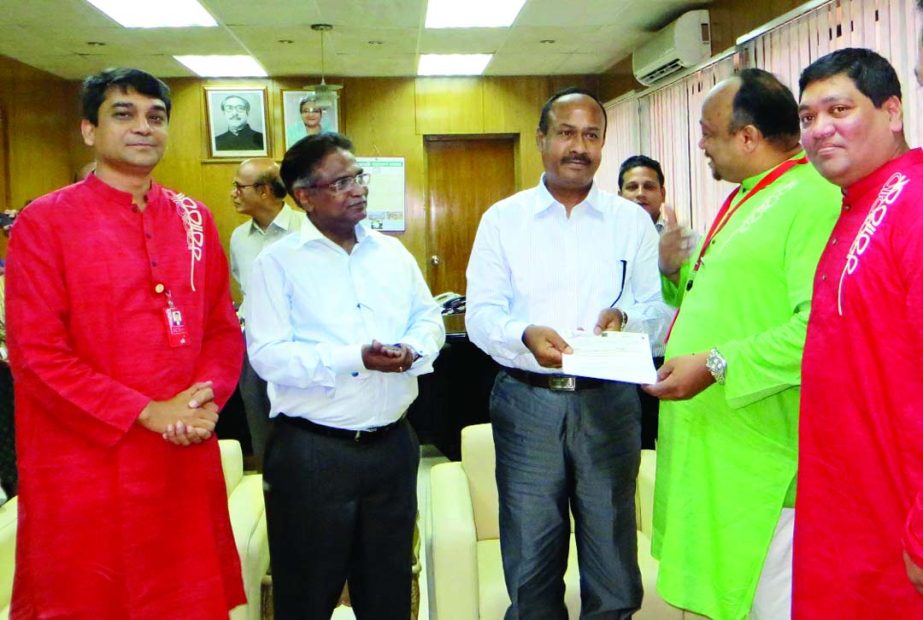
x,y
237,122
308,112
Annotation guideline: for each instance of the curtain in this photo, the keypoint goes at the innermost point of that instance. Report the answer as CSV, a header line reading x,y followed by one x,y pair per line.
x,y
623,139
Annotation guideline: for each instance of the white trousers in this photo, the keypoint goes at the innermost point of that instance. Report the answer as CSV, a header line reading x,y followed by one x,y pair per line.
x,y
773,599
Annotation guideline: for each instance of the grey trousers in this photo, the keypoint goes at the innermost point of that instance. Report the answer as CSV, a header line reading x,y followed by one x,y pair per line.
x,y
256,406
559,450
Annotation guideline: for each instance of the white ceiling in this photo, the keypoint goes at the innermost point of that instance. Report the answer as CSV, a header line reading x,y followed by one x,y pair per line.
x,y
589,36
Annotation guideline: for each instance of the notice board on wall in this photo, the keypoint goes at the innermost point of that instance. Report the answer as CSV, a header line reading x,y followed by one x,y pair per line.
x,y
386,192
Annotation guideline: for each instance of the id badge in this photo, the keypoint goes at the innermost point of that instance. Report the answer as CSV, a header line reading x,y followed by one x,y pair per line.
x,y
177,335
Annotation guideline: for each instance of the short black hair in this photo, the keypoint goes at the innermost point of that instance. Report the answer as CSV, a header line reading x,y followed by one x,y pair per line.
x,y
95,86
873,76
305,156
767,104
642,161
572,90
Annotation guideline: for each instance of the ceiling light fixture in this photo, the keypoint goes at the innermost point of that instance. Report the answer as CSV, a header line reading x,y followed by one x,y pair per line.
x,y
472,13
323,87
168,13
223,66
453,64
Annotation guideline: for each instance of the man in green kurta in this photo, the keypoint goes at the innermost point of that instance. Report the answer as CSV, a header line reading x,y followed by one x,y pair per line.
x,y
727,455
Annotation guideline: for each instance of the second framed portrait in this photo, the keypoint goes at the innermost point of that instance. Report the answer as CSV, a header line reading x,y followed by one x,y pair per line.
x,y
237,122
307,112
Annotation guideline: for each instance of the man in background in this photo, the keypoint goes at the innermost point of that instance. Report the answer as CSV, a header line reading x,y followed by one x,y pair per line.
x,y
547,263
124,345
859,524
239,136
727,451
340,323
258,192
641,181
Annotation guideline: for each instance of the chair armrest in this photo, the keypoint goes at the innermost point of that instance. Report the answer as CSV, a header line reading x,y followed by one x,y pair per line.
x,y
454,544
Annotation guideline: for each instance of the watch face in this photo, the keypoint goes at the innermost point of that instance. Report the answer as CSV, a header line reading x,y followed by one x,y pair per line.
x,y
716,365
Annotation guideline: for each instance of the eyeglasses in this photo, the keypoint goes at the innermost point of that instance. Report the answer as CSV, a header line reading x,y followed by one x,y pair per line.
x,y
312,110
237,187
346,183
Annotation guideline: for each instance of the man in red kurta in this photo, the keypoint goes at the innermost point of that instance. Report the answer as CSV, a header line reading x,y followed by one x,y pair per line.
x,y
123,344
859,513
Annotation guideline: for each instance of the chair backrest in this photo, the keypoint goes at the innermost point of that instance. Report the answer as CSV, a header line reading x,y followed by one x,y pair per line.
x,y
7,550
232,463
479,462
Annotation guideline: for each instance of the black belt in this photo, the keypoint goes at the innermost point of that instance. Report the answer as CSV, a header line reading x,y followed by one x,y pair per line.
x,y
363,436
558,383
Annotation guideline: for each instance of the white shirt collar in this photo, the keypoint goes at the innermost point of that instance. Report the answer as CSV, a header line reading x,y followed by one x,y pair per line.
x,y
544,199
310,232
282,221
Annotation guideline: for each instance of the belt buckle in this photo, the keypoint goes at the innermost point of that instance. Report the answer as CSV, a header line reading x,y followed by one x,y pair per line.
x,y
562,384
365,434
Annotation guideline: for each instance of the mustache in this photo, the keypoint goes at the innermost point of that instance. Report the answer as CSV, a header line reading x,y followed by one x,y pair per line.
x,y
576,159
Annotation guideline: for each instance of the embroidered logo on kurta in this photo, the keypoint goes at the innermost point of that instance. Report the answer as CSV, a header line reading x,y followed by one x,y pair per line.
x,y
192,221
890,192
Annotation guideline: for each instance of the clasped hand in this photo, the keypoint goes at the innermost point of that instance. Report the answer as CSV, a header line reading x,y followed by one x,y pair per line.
x,y
186,419
387,357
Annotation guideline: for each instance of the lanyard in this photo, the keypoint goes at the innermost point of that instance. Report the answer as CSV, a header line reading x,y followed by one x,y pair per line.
x,y
724,216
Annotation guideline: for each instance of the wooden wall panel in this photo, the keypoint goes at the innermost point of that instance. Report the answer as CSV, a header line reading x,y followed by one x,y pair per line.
x,y
449,105
41,114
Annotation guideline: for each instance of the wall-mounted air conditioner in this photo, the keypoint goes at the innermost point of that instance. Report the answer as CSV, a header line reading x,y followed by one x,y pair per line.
x,y
684,43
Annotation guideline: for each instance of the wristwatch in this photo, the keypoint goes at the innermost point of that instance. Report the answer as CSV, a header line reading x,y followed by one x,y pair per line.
x,y
716,365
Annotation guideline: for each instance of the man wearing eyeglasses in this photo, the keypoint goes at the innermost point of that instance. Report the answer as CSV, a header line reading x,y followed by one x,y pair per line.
x,y
340,323
258,192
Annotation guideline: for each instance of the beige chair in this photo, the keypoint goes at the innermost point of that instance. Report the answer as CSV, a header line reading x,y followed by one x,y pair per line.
x,y
248,520
467,569
7,555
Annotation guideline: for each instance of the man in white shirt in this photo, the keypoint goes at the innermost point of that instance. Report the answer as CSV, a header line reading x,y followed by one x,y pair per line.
x,y
547,262
340,323
257,191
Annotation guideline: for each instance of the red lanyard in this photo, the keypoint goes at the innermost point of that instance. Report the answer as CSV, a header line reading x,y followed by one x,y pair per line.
x,y
724,216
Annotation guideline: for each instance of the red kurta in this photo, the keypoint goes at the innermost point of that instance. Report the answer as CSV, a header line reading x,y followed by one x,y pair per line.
x,y
861,428
114,522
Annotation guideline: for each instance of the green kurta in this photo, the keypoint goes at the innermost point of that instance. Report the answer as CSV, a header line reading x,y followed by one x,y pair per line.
x,y
727,458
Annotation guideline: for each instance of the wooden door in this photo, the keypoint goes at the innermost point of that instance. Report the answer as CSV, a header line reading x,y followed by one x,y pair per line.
x,y
464,177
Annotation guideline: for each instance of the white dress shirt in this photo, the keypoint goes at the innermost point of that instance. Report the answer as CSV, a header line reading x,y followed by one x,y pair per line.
x,y
248,240
531,264
311,307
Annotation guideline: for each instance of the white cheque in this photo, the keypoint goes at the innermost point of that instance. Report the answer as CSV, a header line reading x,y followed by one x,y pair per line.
x,y
617,356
